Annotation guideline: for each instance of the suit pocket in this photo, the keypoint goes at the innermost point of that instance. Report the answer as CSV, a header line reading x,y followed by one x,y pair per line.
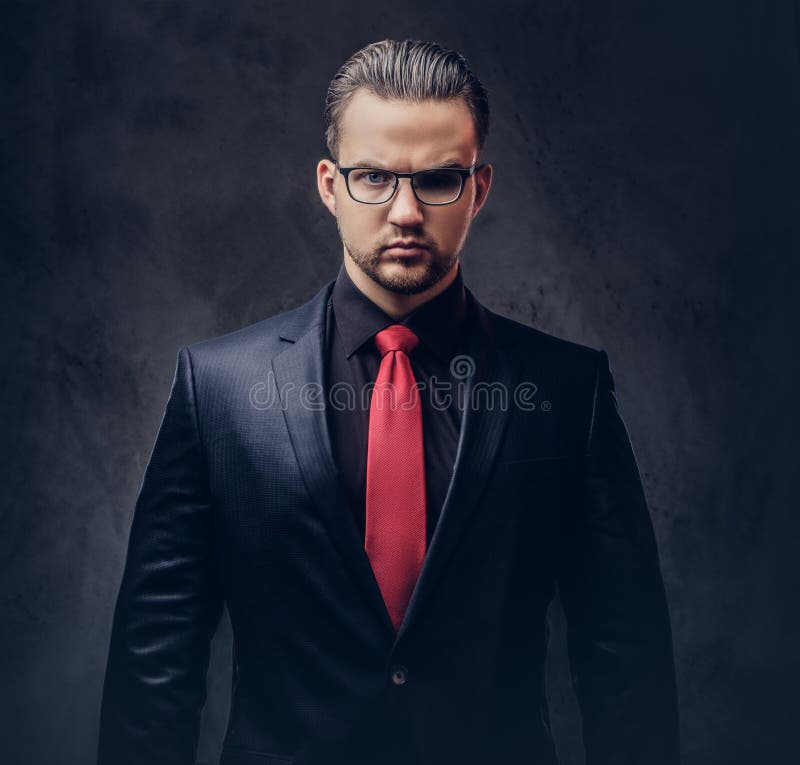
x,y
235,756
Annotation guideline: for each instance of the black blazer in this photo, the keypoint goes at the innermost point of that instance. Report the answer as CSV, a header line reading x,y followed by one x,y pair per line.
x,y
241,504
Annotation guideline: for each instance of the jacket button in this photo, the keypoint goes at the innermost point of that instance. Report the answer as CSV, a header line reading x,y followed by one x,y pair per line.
x,y
399,674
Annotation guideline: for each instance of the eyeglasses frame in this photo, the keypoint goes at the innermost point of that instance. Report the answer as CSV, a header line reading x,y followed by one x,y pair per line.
x,y
464,172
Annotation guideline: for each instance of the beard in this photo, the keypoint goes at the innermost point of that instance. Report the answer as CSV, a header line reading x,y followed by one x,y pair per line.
x,y
408,276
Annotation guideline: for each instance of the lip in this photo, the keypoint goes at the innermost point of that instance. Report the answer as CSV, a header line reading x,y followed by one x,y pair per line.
x,y
408,248
406,243
405,252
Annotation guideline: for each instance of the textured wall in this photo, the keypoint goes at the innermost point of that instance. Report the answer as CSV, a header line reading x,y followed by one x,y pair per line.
x,y
158,187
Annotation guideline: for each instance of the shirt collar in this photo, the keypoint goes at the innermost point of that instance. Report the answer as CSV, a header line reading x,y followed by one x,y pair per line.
x,y
438,323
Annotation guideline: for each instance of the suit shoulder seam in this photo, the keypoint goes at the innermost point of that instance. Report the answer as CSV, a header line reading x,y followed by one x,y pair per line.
x,y
195,408
595,392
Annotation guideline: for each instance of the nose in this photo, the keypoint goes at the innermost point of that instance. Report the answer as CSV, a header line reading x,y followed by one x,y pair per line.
x,y
405,209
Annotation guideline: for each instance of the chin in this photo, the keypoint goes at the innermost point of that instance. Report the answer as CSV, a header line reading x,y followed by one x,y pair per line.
x,y
407,277
404,276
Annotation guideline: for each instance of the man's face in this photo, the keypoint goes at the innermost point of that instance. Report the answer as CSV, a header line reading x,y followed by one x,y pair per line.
x,y
405,137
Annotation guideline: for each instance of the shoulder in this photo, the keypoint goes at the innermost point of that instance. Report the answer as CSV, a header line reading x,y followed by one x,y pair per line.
x,y
562,369
543,350
556,377
532,337
257,343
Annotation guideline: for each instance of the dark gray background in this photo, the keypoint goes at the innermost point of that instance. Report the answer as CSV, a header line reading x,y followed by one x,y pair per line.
x,y
158,188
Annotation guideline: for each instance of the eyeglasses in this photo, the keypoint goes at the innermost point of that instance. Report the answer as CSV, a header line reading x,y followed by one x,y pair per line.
x,y
375,186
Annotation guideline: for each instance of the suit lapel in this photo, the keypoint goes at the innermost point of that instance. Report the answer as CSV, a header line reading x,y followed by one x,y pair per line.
x,y
299,373
483,423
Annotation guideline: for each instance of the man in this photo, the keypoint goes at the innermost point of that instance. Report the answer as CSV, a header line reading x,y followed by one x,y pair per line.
x,y
388,561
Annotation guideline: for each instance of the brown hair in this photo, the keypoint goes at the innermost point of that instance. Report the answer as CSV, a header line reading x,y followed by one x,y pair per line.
x,y
408,70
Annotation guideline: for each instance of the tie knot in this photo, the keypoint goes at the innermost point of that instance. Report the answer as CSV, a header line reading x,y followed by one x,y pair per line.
x,y
396,337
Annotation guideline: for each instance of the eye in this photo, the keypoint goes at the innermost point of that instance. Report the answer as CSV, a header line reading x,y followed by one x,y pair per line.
x,y
368,176
437,180
376,176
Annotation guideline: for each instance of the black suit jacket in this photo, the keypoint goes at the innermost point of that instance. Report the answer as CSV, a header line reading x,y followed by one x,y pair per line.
x,y
241,504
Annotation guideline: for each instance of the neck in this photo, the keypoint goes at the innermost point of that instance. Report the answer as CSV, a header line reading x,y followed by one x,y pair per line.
x,y
395,304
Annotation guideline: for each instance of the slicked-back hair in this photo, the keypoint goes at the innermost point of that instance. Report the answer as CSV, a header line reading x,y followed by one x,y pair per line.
x,y
407,70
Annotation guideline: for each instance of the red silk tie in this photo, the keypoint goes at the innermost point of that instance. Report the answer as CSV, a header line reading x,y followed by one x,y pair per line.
x,y
395,501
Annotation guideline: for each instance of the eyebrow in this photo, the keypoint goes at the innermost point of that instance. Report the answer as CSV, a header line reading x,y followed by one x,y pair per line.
x,y
379,165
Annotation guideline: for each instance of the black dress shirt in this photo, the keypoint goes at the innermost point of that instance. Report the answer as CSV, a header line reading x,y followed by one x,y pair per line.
x,y
352,363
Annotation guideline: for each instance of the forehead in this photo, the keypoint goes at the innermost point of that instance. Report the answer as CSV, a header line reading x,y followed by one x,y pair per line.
x,y
405,135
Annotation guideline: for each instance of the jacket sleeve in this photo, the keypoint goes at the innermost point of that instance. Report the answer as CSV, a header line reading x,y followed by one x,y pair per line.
x,y
619,637
169,602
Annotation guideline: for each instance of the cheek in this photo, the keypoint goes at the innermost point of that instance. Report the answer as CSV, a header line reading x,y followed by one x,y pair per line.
x,y
453,224
357,222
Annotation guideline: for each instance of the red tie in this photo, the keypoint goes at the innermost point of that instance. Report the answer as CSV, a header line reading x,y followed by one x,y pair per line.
x,y
395,510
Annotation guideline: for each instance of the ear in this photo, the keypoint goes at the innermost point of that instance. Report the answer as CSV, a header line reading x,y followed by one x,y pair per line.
x,y
483,182
326,175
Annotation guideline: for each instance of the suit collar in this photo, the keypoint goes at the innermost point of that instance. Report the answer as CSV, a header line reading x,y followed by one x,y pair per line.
x,y
300,367
439,323
311,315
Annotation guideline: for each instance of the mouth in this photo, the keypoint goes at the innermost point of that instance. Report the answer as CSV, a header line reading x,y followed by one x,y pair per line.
x,y
406,249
